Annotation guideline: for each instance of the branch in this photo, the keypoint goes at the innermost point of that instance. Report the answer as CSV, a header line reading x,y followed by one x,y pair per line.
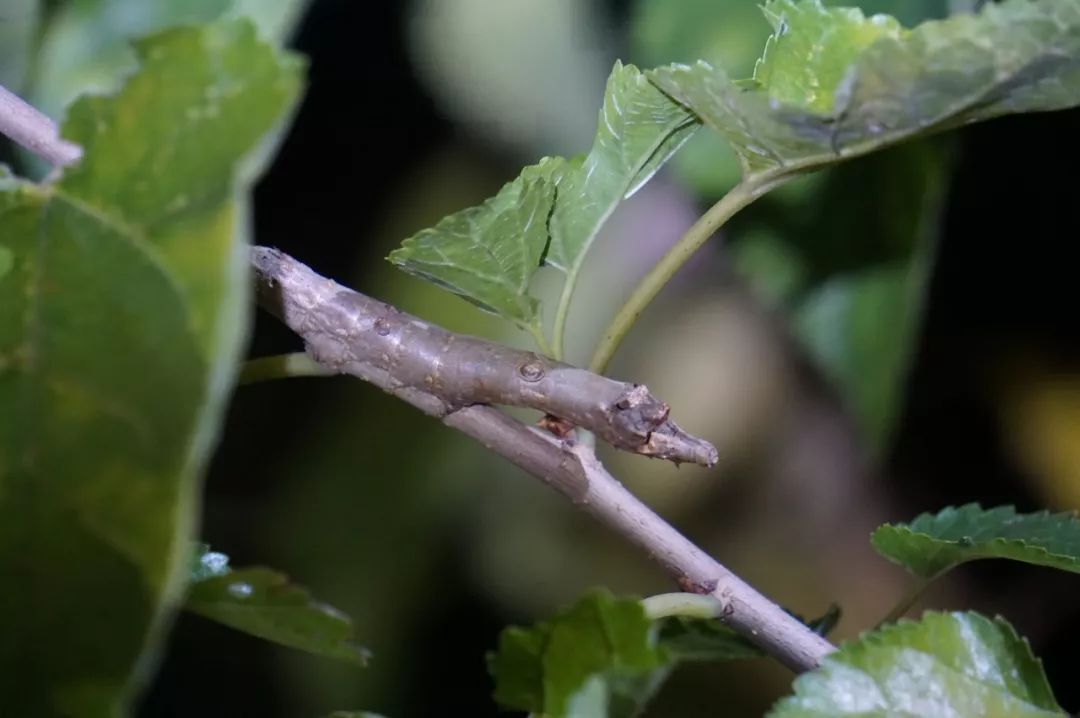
x,y
370,340
34,131
327,316
373,339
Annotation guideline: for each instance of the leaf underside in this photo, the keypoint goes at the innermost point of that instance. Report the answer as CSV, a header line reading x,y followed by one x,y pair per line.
x,y
488,254
553,211
834,84
934,543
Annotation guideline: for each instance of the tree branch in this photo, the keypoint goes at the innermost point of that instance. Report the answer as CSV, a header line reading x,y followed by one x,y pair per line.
x,y
338,324
34,131
344,330
372,339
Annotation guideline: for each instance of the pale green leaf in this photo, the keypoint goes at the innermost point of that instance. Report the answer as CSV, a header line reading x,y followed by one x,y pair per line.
x,y
728,34
836,85
121,319
639,128
86,46
812,47
264,603
489,253
554,211
961,665
934,543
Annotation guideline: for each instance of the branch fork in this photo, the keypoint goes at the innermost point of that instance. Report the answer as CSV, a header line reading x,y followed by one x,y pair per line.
x,y
355,334
457,379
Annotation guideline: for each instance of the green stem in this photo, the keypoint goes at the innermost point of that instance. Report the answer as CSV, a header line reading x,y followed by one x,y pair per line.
x,y
541,341
281,366
740,196
909,599
561,314
692,605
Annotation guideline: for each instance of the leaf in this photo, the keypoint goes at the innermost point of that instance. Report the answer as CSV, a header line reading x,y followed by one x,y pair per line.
x,y
948,664
121,321
86,46
834,84
728,34
697,639
488,254
807,57
552,212
600,657
935,543
840,290
264,603
860,328
638,130
604,656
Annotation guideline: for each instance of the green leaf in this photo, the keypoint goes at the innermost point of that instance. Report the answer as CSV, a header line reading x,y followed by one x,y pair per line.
x,y
860,328
807,57
264,603
488,254
86,46
948,664
934,543
834,84
698,639
604,656
840,289
600,657
728,34
553,212
639,128
121,321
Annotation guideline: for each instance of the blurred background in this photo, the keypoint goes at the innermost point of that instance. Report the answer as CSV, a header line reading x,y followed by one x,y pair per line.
x,y
890,337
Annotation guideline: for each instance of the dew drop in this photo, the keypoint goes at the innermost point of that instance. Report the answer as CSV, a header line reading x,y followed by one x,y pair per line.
x,y
240,590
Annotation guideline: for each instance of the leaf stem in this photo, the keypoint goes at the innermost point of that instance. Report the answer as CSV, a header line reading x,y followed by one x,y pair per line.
x,y
558,332
650,285
30,128
693,605
281,366
909,599
546,349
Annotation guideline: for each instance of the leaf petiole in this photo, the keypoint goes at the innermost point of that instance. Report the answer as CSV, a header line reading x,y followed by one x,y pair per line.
x,y
650,285
691,605
281,366
907,601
